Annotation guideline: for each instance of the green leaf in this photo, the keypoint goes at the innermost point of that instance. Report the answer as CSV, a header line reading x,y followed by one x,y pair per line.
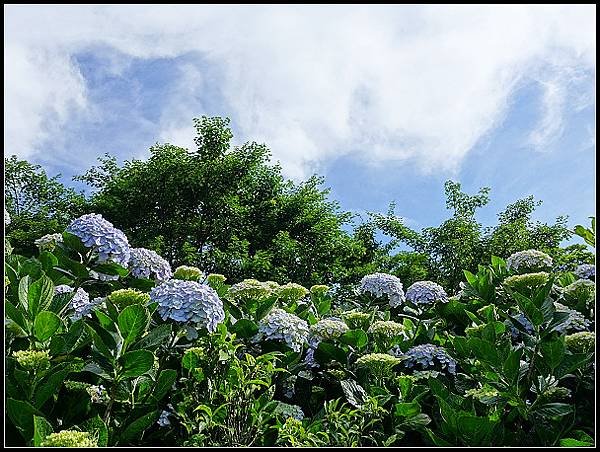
x,y
39,295
17,316
534,315
132,322
164,383
98,342
23,293
572,442
326,352
41,429
135,429
244,328
324,307
50,385
48,260
154,337
512,365
70,340
356,338
355,394
553,352
45,325
21,414
263,309
407,409
112,269
554,409
105,321
97,427
484,351
73,242
471,278
136,363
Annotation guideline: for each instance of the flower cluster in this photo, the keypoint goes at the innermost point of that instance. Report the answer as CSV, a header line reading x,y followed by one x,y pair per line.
x,y
380,284
576,321
526,282
189,302
486,394
356,319
426,293
147,264
281,325
163,419
70,438
85,307
378,364
33,359
286,411
582,289
427,356
97,393
249,289
48,242
586,271
125,297
582,342
329,329
386,328
188,273
319,290
215,279
528,261
291,292
110,242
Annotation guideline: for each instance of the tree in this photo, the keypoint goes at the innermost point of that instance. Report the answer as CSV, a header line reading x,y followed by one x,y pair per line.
x,y
37,204
223,208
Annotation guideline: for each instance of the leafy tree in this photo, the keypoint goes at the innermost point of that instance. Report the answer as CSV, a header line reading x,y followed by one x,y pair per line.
x,y
37,204
223,208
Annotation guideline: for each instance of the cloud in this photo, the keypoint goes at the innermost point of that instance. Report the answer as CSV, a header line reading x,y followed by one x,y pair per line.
x,y
382,83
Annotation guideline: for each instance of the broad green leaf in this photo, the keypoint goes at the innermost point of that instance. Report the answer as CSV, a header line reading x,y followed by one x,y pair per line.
x,y
21,414
244,328
112,269
326,352
39,295
407,409
355,394
135,429
132,322
136,363
553,352
23,293
356,338
50,385
97,427
41,429
164,383
45,325
48,260
154,337
16,315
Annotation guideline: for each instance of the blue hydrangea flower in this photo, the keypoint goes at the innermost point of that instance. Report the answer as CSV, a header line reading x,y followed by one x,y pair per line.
x,y
575,322
163,420
426,293
586,271
383,284
189,302
426,356
529,261
285,410
62,288
280,325
82,305
147,263
98,233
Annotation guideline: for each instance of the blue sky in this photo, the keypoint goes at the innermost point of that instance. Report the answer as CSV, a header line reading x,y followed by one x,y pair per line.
x,y
386,102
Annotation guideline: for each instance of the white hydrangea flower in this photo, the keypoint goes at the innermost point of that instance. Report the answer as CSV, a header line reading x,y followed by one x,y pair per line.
x,y
251,289
280,325
529,261
48,241
383,284
386,328
329,328
426,293
189,302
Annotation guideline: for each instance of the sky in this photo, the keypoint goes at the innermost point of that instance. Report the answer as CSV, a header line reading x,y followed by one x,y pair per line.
x,y
387,102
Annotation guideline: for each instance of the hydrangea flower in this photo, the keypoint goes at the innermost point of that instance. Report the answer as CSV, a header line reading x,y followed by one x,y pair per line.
x,y
163,420
319,290
280,325
523,321
70,438
62,288
80,302
125,297
100,234
526,282
386,328
582,342
586,271
188,273
378,364
291,292
426,293
215,279
383,284
249,289
289,386
286,411
356,319
582,289
575,322
97,393
148,264
528,261
328,328
427,356
48,242
486,394
33,359
189,302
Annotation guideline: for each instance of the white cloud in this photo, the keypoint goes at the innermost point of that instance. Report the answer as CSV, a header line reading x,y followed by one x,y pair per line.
x,y
314,82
